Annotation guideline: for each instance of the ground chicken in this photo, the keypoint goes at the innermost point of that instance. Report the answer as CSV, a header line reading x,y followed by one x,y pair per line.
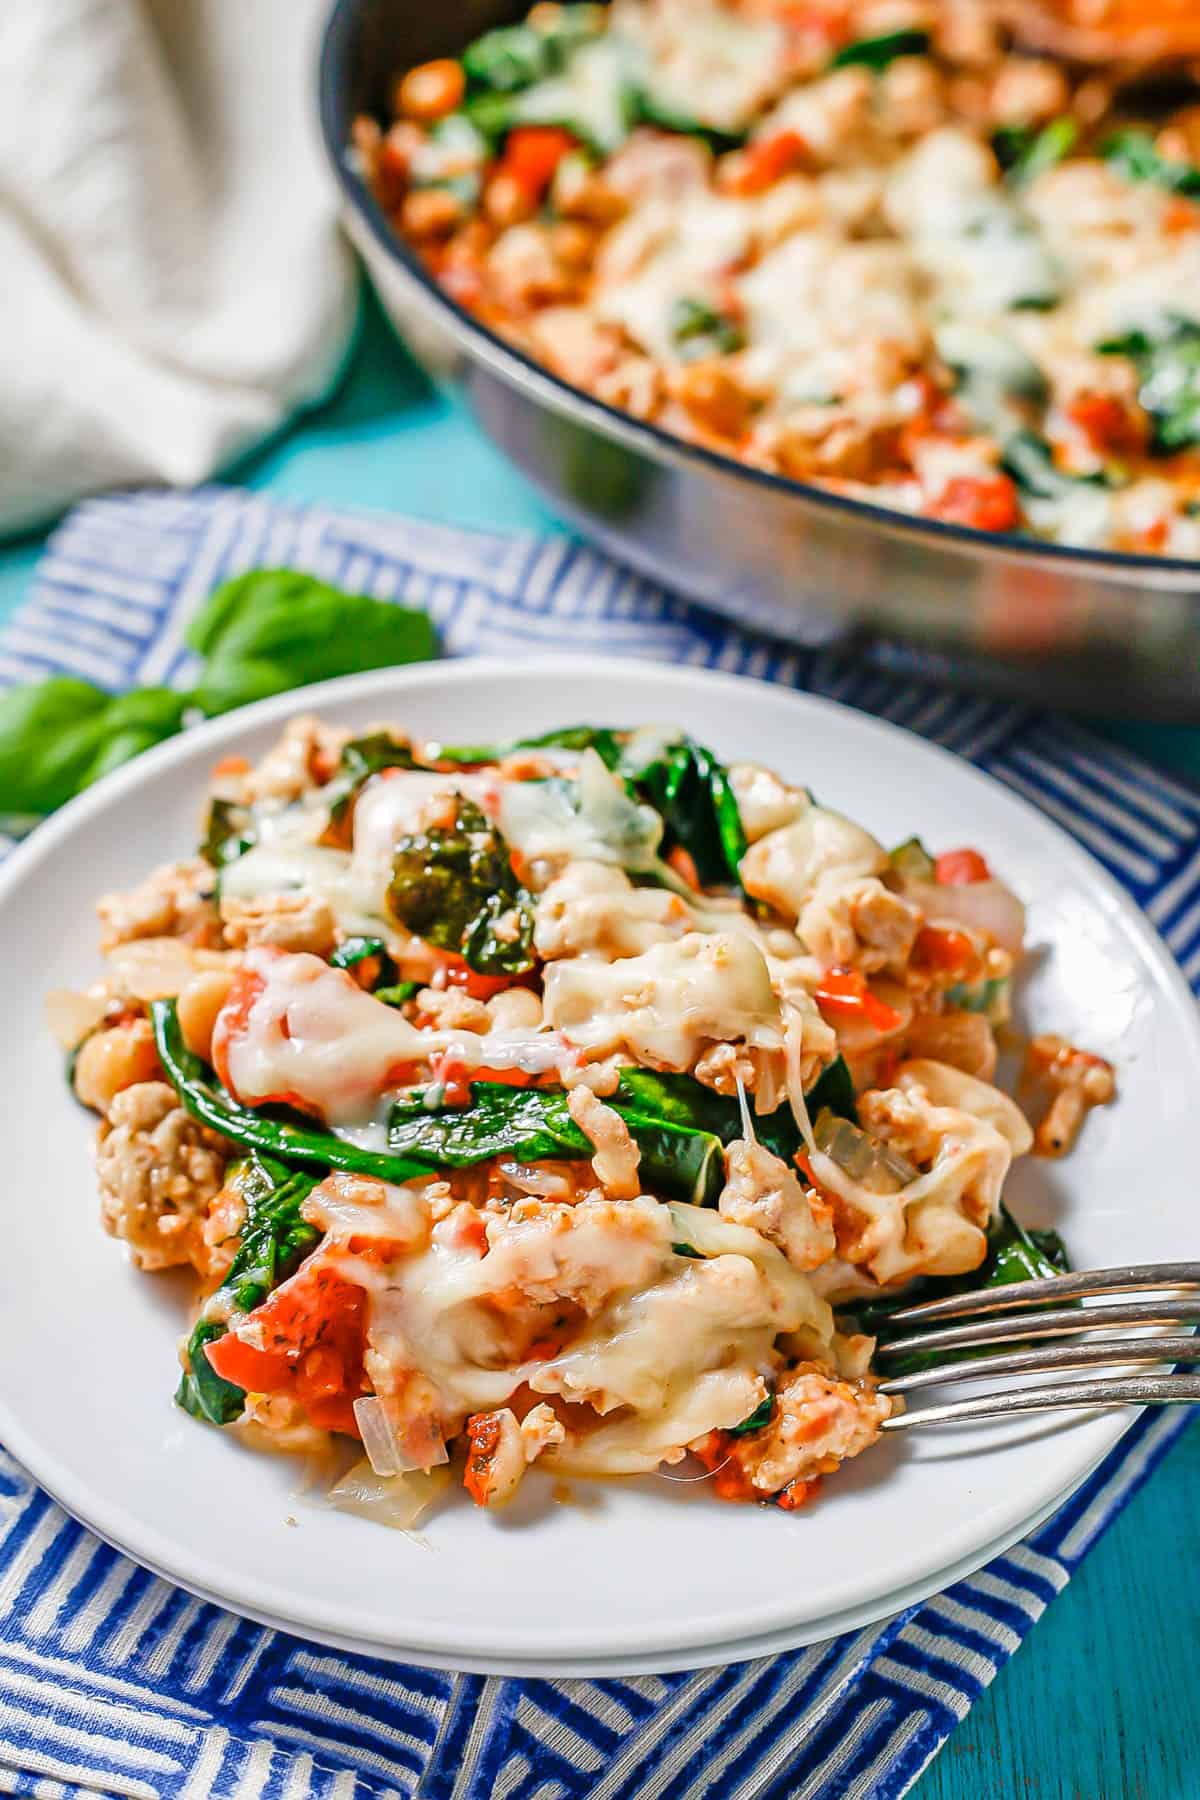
x,y
617,1156
1078,1081
288,921
858,924
158,1174
175,901
817,1422
501,1451
451,1009
302,759
764,1195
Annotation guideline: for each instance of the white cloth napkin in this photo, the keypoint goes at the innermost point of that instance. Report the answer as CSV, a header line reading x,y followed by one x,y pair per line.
x,y
172,282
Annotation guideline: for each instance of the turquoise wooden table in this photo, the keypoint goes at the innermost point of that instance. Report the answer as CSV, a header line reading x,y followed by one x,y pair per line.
x,y
1100,1703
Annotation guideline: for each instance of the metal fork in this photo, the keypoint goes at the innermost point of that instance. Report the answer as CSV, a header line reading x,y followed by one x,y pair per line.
x,y
1056,1308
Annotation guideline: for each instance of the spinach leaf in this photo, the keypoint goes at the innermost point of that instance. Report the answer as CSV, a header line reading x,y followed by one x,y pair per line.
x,y
360,758
599,738
455,887
877,52
697,330
274,629
1133,155
1024,152
58,736
758,1418
273,1132
397,994
229,832
353,952
1030,462
507,59
684,1101
275,1239
1013,1254
682,780
1167,358
533,1124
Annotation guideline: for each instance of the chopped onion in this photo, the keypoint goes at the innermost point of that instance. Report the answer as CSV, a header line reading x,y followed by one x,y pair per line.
x,y
986,906
379,1439
527,1178
865,1159
397,1501
72,1016
385,1452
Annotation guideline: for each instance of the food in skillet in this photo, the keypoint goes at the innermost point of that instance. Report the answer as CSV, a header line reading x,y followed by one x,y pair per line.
x,y
539,1103
867,246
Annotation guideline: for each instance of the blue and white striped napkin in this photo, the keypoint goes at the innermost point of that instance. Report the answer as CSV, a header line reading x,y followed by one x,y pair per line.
x,y
114,1682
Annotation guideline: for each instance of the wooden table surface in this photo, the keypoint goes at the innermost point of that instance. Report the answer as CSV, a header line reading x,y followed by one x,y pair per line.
x,y
1103,1700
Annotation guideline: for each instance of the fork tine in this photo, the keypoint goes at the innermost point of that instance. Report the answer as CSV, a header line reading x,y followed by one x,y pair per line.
x,y
1058,1323
1136,1390
1132,1278
1112,1351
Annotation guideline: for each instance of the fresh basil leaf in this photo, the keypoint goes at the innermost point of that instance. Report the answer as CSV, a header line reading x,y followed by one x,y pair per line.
x,y
270,630
877,52
59,735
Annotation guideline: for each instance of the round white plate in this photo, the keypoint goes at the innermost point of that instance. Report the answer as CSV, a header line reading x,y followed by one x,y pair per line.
x,y
654,1573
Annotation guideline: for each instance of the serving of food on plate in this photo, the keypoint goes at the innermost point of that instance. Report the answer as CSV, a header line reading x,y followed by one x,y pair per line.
x,y
927,257
572,1102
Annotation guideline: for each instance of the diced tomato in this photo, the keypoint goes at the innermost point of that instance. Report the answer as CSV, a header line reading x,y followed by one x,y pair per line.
x,y
684,865
315,1305
480,987
232,1023
845,994
1108,423
259,1371
233,1020
796,1493
1180,214
230,765
942,948
959,868
985,503
483,1437
533,153
313,1327
765,161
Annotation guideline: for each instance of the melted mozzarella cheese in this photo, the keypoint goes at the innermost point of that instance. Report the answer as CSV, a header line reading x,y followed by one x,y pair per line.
x,y
784,867
664,1006
592,909
705,62
311,1032
591,819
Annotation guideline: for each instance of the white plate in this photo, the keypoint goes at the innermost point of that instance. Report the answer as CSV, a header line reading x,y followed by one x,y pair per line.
x,y
652,1573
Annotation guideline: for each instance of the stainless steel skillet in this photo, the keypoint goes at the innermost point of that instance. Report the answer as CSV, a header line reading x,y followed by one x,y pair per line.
x,y
1085,628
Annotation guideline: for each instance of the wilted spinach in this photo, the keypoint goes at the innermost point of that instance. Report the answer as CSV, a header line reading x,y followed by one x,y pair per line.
x,y
274,1240
1167,358
454,886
